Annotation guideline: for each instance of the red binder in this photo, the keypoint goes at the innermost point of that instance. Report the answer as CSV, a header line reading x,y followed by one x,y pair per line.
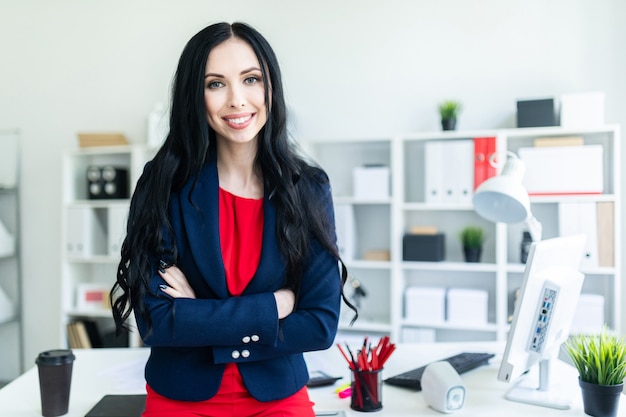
x,y
484,149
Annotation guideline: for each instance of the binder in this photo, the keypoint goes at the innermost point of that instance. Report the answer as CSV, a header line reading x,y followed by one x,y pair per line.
x,y
606,233
345,229
449,171
85,233
117,217
577,218
459,172
433,172
484,149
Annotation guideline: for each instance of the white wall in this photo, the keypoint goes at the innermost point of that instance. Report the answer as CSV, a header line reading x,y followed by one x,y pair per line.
x,y
351,68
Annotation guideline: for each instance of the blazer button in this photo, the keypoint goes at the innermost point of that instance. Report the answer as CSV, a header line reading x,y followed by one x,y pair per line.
x,y
246,339
245,353
255,337
235,354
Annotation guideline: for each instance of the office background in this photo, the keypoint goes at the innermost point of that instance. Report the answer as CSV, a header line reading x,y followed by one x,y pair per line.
x,y
351,68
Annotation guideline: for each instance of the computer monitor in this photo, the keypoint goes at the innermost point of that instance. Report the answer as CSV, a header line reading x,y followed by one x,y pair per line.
x,y
541,321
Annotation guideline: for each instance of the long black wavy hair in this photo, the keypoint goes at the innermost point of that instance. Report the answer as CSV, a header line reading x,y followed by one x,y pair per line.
x,y
289,178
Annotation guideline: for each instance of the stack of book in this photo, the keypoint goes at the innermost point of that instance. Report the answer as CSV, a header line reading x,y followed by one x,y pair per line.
x,y
85,334
101,139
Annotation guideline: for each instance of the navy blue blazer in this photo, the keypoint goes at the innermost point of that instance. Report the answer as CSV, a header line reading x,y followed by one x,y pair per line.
x,y
192,339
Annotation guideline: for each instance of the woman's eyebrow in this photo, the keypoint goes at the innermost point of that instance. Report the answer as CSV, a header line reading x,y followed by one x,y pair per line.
x,y
251,69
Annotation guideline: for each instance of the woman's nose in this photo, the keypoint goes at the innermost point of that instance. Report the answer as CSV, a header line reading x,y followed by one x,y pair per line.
x,y
236,98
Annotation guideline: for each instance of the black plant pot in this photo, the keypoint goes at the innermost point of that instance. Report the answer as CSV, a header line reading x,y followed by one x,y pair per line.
x,y
472,254
600,400
448,124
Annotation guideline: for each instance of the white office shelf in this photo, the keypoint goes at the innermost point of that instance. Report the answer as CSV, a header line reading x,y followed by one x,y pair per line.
x,y
94,259
382,223
93,228
449,266
488,327
11,327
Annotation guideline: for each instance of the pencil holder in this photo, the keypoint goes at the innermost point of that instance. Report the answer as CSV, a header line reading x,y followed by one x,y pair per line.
x,y
367,390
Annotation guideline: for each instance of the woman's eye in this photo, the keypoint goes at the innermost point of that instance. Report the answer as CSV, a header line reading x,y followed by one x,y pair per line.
x,y
251,80
214,84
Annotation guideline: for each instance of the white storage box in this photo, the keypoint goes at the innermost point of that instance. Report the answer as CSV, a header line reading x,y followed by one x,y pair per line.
x,y
425,305
589,314
563,170
418,335
582,110
371,182
467,306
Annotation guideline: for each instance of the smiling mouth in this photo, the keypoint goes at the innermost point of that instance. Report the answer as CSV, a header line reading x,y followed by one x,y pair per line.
x,y
238,120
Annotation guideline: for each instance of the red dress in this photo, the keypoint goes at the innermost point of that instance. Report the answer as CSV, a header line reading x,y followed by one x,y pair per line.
x,y
241,237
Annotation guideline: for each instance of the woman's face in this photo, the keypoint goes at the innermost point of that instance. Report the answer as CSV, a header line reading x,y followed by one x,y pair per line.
x,y
234,95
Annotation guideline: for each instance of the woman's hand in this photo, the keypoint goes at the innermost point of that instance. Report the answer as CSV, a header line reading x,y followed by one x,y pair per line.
x,y
177,284
285,301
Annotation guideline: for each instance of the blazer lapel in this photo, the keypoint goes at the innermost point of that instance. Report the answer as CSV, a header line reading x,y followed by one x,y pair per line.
x,y
201,223
200,215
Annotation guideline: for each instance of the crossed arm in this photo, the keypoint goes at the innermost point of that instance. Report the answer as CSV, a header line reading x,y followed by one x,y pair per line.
x,y
178,287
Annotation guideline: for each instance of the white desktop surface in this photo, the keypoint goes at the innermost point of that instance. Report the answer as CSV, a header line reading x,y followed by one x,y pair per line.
x,y
113,371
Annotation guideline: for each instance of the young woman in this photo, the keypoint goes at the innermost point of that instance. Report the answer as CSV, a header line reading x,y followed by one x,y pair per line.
x,y
230,261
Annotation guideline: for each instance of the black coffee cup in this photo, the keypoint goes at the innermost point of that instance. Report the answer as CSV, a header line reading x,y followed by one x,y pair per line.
x,y
55,378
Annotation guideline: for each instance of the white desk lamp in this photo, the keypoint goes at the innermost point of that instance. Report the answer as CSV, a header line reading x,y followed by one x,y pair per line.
x,y
503,198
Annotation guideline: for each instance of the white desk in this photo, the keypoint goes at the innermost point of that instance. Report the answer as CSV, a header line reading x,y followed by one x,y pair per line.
x,y
112,371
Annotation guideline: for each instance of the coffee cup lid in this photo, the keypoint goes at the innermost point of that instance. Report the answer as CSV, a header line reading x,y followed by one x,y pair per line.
x,y
55,357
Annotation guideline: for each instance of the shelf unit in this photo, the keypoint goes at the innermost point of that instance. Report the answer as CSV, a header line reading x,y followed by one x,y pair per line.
x,y
11,324
382,223
93,229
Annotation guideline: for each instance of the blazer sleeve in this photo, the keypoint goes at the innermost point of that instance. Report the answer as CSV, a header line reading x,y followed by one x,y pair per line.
x,y
185,322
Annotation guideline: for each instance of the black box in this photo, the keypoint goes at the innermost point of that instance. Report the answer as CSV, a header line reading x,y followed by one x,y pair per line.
x,y
426,248
537,113
107,182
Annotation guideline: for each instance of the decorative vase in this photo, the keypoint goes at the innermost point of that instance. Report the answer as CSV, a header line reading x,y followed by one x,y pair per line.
x,y
600,400
472,254
448,124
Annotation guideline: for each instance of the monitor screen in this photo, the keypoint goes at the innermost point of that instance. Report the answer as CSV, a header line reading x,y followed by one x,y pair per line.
x,y
542,317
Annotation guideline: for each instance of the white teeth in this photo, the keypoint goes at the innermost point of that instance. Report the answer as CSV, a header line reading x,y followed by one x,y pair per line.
x,y
240,120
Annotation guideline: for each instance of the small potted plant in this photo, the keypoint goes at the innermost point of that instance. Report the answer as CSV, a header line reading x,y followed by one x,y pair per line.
x,y
601,364
472,239
449,111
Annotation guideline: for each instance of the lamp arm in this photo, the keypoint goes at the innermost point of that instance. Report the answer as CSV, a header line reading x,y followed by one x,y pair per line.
x,y
534,227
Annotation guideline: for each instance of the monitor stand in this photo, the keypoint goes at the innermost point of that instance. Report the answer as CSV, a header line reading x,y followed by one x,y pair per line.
x,y
545,395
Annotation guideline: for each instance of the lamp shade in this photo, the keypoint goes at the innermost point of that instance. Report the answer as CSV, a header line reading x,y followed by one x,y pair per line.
x,y
502,199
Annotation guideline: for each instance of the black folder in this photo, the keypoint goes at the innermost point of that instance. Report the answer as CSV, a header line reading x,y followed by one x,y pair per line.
x,y
119,406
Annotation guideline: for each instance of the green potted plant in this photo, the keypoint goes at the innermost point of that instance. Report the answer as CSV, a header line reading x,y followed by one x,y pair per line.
x,y
601,364
472,239
449,111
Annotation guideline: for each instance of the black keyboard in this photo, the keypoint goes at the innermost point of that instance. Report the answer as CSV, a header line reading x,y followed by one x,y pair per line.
x,y
461,362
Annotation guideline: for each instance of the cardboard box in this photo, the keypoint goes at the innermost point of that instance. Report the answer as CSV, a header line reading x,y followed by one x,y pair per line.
x,y
424,248
101,139
371,182
537,113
